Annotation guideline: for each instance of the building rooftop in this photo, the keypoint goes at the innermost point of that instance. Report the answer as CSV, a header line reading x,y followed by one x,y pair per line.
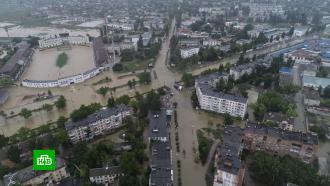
x,y
316,81
157,124
20,56
160,164
27,174
306,138
70,125
104,171
208,90
229,151
278,117
242,67
285,70
100,54
3,95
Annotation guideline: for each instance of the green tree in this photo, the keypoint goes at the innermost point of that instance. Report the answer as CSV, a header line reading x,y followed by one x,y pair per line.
x,y
103,90
326,92
62,137
25,113
61,122
3,141
124,99
188,79
111,102
228,120
61,102
13,154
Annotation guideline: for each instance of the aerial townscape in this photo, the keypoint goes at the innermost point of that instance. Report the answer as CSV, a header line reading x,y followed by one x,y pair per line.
x,y
165,92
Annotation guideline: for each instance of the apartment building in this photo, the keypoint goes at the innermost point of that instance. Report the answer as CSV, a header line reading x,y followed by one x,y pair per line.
x,y
220,102
58,41
28,176
104,175
301,56
230,169
97,124
280,142
160,164
188,52
16,65
238,71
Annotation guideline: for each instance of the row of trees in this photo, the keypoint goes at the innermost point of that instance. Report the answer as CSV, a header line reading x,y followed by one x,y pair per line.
x,y
275,171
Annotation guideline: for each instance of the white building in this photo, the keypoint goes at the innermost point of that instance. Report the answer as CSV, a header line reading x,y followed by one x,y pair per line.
x,y
300,31
188,52
219,102
28,176
211,42
238,71
97,124
121,26
104,175
62,82
301,56
58,41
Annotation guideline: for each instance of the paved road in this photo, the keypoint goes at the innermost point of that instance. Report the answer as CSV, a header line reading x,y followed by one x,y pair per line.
x,y
300,120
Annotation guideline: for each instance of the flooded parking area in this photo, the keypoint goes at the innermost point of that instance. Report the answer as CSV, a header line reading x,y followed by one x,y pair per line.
x,y
80,59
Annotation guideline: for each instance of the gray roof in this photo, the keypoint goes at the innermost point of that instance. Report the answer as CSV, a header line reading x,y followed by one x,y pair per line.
x,y
306,138
157,124
242,67
208,90
27,174
20,55
100,54
160,164
3,95
316,81
114,170
229,151
70,125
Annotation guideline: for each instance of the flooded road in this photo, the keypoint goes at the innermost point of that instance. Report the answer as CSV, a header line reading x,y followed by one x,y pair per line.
x,y
80,60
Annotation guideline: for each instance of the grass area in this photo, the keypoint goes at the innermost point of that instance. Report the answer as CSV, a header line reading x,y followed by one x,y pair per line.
x,y
204,146
136,65
62,60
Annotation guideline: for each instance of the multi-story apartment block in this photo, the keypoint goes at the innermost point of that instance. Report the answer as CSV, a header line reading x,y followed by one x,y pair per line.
x,y
58,41
211,42
238,71
97,124
280,142
188,52
212,100
28,176
104,175
230,168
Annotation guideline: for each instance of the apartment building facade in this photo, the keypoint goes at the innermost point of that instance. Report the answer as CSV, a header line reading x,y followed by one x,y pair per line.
x,y
280,142
219,102
97,124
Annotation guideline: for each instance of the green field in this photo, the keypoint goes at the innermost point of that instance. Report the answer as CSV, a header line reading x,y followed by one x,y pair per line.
x,y
62,60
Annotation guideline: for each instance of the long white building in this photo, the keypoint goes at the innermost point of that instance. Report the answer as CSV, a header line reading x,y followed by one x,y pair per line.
x,y
219,102
97,124
188,52
58,41
62,82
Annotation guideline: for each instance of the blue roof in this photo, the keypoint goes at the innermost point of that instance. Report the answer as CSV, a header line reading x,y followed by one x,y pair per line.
x,y
285,70
326,54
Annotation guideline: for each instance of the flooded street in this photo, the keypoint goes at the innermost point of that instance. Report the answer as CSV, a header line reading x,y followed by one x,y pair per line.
x,y
80,60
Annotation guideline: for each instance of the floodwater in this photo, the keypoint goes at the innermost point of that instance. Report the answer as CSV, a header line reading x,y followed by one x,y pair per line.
x,y
3,24
80,60
91,24
19,31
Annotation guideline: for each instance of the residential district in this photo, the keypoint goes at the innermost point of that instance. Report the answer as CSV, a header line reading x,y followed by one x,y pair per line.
x,y
165,92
